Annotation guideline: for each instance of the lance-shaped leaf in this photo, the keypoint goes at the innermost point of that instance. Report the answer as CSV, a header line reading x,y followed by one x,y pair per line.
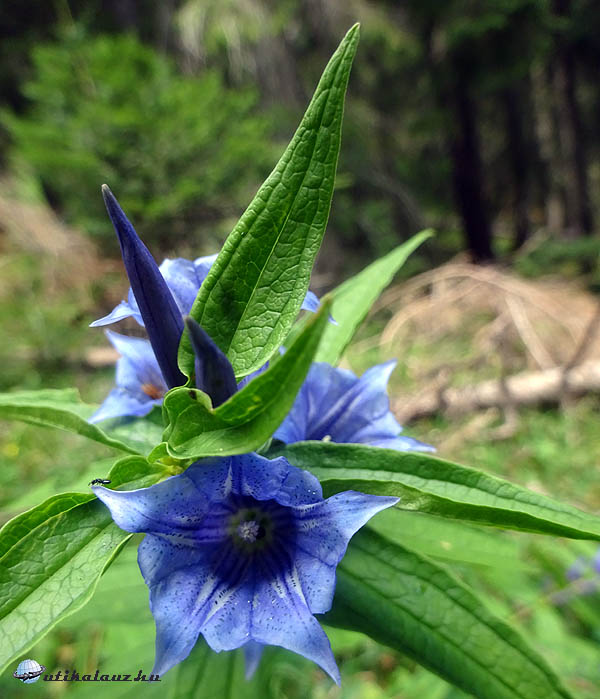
x,y
61,408
248,419
213,371
353,299
158,309
53,555
428,484
417,607
255,288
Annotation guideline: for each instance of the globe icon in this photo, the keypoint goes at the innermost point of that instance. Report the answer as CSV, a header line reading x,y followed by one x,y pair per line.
x,y
28,671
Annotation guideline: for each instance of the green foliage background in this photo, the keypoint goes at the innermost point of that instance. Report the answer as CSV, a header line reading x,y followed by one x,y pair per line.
x,y
184,138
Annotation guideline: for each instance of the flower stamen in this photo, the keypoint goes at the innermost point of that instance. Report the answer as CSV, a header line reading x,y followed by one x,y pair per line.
x,y
248,531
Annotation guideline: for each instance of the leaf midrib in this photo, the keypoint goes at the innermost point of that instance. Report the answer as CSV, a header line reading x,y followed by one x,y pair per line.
x,y
327,92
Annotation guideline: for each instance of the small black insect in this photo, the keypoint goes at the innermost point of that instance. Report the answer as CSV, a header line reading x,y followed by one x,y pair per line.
x,y
99,481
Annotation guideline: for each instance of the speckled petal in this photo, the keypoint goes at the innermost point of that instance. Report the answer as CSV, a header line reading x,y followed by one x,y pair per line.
x,y
281,617
324,530
174,506
184,603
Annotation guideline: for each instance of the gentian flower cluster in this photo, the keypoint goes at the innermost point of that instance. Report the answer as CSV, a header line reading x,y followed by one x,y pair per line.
x,y
334,405
241,550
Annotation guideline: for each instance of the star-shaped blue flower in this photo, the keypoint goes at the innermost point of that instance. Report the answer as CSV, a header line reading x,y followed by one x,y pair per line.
x,y
184,278
335,405
140,383
242,550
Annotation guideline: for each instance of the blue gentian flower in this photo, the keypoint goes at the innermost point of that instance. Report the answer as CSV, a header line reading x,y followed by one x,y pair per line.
x,y
162,318
241,550
140,383
335,405
141,386
184,278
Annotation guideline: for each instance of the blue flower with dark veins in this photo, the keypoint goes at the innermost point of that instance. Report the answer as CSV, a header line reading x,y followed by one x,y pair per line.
x,y
243,551
335,405
184,278
140,383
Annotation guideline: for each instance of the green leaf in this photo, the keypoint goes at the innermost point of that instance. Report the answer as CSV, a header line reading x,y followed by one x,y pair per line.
x,y
427,484
57,408
255,288
18,527
51,572
353,299
449,540
415,606
248,419
53,556
211,674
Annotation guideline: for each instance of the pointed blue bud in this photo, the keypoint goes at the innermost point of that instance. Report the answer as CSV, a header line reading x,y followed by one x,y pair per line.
x,y
158,309
214,373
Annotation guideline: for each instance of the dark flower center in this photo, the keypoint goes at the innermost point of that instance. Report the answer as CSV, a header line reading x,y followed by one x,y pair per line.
x,y
258,525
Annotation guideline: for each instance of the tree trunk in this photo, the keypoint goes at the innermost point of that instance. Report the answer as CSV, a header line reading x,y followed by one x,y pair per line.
x,y
573,129
518,152
467,173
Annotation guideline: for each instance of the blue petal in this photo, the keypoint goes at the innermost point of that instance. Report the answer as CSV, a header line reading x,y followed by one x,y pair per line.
x,y
311,302
203,265
281,617
162,318
319,402
274,479
252,655
182,279
401,443
123,310
173,507
323,532
201,597
121,403
138,364
364,410
257,477
334,404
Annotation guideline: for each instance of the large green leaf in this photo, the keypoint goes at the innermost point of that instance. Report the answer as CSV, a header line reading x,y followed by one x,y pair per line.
x,y
450,540
249,418
428,484
415,606
353,299
255,288
53,556
57,408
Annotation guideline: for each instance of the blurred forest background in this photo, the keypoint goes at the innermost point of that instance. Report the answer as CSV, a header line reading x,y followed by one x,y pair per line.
x,y
478,119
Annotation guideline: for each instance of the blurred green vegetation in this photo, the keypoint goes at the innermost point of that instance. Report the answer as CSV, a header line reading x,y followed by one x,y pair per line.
x,y
183,113
184,154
